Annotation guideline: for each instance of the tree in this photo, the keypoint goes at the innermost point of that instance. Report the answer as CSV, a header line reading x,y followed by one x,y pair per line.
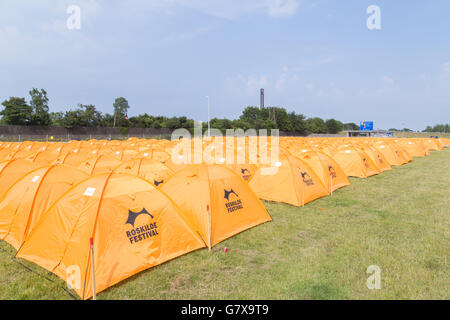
x,y
16,111
89,116
56,118
333,126
39,102
71,119
279,116
351,126
121,107
298,122
438,128
250,114
83,116
107,120
316,125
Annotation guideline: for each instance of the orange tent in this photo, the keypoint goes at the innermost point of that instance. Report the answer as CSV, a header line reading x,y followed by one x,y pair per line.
x,y
391,153
293,181
328,170
414,147
45,156
245,171
12,171
354,162
216,200
445,142
71,158
133,225
151,170
432,144
98,165
376,156
22,205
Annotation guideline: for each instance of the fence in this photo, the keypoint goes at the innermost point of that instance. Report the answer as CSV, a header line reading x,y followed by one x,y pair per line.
x,y
38,133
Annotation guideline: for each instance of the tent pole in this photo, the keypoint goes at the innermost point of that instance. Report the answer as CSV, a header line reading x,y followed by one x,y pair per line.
x,y
94,296
331,191
303,192
209,227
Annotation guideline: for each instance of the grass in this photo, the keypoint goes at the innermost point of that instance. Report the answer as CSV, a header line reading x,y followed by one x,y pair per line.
x,y
398,220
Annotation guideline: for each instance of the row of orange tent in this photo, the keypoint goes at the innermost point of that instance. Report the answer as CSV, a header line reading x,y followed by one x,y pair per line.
x,y
142,207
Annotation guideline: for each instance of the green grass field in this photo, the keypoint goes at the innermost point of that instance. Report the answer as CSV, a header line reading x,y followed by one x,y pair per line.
x,y
398,220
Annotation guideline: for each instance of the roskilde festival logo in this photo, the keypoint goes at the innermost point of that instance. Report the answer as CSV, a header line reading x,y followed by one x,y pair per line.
x,y
379,159
232,205
365,162
143,232
332,171
307,178
245,174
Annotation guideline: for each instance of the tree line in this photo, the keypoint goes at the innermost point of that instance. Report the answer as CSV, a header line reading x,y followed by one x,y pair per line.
x,y
438,128
17,111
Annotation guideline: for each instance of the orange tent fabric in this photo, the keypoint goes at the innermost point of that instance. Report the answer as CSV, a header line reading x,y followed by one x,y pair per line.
x,y
233,207
151,170
98,165
22,206
414,148
377,157
12,171
134,227
391,154
354,162
328,170
294,182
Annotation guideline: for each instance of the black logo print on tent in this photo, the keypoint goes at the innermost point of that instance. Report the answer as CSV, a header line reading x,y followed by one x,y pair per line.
x,y
244,175
379,159
307,178
244,170
132,216
365,162
332,171
143,232
235,205
157,183
227,194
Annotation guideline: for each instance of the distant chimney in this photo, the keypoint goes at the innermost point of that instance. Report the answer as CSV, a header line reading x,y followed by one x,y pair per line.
x,y
262,99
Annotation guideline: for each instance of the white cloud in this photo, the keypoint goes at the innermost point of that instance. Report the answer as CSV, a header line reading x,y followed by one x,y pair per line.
x,y
254,83
283,78
282,8
233,9
247,85
187,35
387,80
446,67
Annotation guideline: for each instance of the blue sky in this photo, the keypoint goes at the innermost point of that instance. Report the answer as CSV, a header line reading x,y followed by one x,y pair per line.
x,y
316,57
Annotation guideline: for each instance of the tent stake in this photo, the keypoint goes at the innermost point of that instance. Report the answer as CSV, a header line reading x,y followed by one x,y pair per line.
x,y
209,227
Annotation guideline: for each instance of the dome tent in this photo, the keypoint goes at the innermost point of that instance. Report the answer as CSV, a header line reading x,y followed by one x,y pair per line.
x,y
23,204
217,201
134,226
294,182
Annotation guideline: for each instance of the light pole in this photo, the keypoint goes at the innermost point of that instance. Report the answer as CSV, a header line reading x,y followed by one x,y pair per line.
x,y
209,108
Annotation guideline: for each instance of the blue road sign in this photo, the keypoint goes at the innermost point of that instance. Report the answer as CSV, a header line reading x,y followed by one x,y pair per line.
x,y
366,126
